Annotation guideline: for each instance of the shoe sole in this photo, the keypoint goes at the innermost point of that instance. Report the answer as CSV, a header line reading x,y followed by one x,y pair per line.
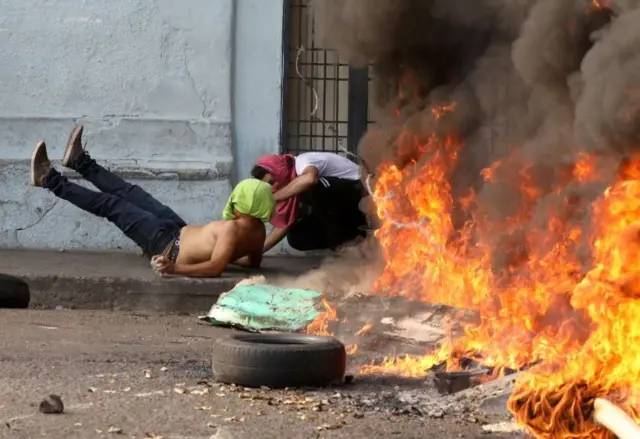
x,y
32,171
67,152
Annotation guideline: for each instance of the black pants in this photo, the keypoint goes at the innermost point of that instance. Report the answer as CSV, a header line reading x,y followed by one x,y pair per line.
x,y
142,218
329,215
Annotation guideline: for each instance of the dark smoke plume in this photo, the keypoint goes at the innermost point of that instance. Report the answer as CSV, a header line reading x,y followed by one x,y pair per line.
x,y
520,63
533,81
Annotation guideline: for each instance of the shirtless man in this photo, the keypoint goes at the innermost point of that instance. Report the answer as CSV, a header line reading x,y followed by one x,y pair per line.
x,y
173,247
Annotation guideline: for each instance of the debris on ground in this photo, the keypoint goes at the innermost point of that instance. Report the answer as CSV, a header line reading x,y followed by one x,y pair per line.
x,y
503,427
52,404
428,402
222,433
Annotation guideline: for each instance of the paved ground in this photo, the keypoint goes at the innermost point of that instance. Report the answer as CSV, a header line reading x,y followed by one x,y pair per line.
x,y
124,281
147,376
130,372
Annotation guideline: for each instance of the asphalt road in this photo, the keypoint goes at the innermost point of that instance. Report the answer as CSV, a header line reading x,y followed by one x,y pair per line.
x,y
149,376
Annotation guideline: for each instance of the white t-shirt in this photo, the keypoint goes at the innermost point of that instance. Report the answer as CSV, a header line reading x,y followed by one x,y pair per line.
x,y
328,165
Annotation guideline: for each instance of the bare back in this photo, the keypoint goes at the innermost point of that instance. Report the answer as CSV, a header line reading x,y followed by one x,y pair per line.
x,y
198,242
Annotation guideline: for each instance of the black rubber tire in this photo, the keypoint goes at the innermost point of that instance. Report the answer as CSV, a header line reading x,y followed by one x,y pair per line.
x,y
14,292
278,360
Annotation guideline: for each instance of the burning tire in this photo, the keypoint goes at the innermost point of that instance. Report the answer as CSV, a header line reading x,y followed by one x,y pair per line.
x,y
278,360
14,292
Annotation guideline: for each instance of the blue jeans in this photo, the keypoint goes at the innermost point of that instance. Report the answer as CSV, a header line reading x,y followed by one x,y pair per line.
x,y
142,218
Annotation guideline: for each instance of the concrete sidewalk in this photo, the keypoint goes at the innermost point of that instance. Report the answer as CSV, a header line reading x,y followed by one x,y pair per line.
x,y
124,281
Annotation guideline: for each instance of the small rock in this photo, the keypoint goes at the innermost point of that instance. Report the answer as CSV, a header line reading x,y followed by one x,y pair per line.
x,y
200,391
329,426
115,430
52,404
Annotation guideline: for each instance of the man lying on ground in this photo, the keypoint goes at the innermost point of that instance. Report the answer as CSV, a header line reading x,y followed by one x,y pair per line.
x,y
175,248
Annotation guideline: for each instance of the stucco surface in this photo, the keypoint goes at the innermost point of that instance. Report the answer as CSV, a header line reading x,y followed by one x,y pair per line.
x,y
257,87
150,79
31,216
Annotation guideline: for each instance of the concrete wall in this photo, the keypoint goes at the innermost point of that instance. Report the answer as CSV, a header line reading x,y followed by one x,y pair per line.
x,y
257,88
152,80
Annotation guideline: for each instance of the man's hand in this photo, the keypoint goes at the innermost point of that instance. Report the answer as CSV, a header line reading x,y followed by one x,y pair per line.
x,y
162,265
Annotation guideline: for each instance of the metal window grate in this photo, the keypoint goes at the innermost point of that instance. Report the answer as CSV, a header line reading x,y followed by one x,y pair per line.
x,y
325,102
342,112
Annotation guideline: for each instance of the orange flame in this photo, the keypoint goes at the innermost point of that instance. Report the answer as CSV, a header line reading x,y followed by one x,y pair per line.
x,y
364,330
607,364
539,299
599,4
320,326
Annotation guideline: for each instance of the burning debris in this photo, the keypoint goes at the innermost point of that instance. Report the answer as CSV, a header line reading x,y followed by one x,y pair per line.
x,y
536,226
471,373
474,403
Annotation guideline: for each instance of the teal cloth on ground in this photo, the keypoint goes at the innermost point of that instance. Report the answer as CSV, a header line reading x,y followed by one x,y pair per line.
x,y
263,307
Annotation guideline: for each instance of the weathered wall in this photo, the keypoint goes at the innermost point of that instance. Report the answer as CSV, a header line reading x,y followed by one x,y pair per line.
x,y
152,82
257,88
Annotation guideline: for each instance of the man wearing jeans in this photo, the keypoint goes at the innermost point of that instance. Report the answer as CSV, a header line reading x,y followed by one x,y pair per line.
x,y
173,246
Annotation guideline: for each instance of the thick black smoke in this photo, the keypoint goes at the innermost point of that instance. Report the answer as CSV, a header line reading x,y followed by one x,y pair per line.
x,y
534,82
548,68
549,71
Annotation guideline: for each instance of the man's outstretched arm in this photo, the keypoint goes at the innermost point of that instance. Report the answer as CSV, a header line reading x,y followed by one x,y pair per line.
x,y
220,258
301,183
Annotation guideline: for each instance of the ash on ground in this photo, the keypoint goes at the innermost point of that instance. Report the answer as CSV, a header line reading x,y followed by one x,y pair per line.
x,y
424,400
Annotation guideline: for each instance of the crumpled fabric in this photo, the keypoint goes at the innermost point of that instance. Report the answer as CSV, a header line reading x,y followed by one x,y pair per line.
x,y
251,197
283,169
255,307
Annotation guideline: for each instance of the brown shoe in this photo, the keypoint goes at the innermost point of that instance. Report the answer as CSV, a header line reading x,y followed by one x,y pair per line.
x,y
74,148
40,164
